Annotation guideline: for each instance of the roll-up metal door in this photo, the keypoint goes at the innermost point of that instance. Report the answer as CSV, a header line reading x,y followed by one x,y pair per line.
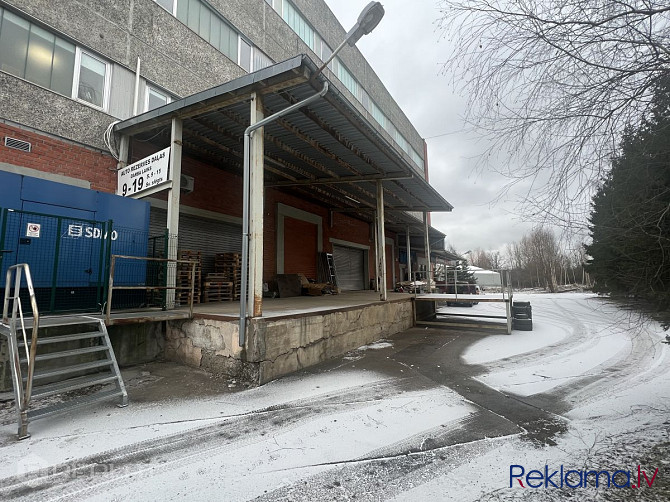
x,y
349,267
200,234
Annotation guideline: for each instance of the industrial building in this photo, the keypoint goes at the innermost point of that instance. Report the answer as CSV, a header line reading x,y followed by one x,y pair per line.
x,y
136,129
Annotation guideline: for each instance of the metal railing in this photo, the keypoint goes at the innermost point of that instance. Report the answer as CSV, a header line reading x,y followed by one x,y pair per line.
x,y
427,282
169,281
14,297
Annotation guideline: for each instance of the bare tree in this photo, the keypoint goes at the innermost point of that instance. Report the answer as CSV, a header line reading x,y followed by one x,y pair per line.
x,y
553,83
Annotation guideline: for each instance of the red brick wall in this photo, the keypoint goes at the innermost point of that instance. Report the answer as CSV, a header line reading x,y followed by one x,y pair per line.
x,y
215,190
344,227
60,157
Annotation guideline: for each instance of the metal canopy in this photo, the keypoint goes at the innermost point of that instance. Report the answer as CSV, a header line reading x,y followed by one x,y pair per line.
x,y
327,152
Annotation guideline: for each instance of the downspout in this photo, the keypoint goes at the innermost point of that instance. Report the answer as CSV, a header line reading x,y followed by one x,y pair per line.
x,y
137,87
245,203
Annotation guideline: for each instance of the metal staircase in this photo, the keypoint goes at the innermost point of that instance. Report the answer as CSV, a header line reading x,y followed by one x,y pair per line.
x,y
72,354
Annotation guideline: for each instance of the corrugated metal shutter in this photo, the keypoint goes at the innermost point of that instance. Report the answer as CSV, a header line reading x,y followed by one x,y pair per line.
x,y
349,267
200,234
300,247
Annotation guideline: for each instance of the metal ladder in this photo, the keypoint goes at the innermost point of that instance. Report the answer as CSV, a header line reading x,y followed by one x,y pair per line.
x,y
79,356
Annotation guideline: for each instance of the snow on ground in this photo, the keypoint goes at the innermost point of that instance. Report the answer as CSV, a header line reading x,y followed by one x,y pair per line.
x,y
96,429
575,336
381,344
613,429
546,331
597,333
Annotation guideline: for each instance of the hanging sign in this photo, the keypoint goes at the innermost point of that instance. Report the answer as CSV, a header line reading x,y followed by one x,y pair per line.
x,y
144,174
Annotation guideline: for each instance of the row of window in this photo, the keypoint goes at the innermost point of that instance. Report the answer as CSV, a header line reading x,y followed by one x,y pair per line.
x,y
309,35
212,27
37,55
34,54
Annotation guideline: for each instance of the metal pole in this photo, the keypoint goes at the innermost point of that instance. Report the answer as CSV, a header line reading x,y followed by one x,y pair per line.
x,y
427,244
110,288
137,87
246,196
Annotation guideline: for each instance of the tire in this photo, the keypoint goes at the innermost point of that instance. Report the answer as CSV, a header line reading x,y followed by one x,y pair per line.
x,y
522,308
522,324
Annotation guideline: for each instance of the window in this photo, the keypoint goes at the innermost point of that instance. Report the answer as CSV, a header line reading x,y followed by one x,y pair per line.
x,y
417,158
155,98
261,60
91,84
14,44
245,54
37,55
168,5
209,25
298,24
377,114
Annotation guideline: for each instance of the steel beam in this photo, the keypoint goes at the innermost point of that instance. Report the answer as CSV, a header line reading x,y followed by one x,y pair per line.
x,y
342,179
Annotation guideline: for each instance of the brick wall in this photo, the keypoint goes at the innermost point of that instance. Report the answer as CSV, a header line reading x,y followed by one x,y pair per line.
x,y
60,157
215,190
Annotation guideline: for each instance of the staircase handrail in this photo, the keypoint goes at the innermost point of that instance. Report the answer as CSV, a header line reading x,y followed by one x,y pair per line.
x,y
22,396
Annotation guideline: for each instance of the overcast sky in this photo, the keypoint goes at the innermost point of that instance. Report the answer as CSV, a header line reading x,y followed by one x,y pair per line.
x,y
406,52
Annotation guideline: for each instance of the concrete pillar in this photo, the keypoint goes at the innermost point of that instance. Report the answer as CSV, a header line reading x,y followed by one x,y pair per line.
x,y
174,194
427,241
256,199
381,241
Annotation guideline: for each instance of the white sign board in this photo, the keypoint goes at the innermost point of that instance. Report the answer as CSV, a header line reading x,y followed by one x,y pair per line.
x,y
33,230
144,174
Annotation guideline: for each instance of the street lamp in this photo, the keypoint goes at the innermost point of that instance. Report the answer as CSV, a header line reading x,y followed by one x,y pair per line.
x,y
367,21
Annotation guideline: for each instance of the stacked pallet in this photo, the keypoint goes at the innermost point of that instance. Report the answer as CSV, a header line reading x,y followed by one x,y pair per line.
x,y
229,265
218,288
183,296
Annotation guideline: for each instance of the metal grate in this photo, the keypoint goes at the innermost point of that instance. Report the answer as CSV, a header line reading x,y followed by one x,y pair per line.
x,y
18,144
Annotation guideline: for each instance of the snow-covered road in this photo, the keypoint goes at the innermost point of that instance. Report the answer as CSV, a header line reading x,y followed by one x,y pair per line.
x,y
427,415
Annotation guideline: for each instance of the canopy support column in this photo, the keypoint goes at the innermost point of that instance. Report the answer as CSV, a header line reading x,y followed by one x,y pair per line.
x,y
409,257
174,195
256,199
427,245
381,242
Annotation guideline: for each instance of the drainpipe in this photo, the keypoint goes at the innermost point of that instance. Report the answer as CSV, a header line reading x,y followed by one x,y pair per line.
x,y
137,87
245,209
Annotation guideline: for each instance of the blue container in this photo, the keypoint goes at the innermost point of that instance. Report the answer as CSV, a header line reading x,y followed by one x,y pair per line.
x,y
64,232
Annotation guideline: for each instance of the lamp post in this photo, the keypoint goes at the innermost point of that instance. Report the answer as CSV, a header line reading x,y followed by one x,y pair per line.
x,y
368,19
